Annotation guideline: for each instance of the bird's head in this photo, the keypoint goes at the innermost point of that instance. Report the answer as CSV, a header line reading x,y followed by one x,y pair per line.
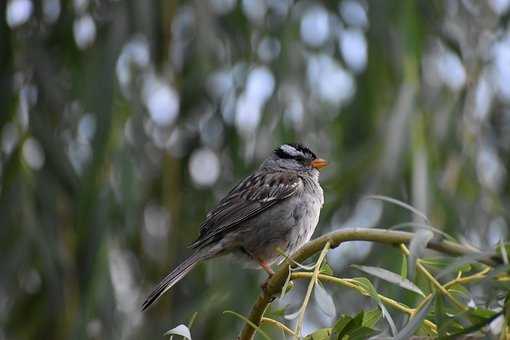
x,y
295,156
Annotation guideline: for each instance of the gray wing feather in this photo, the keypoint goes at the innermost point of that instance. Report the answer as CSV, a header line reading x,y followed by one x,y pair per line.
x,y
249,198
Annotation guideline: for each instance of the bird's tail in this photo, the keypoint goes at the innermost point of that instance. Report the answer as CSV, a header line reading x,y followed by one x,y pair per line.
x,y
171,279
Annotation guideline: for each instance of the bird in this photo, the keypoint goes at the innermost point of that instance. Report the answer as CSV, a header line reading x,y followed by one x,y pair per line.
x,y
275,209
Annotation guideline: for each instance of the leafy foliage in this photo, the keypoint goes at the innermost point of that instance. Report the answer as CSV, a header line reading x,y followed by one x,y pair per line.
x,y
443,313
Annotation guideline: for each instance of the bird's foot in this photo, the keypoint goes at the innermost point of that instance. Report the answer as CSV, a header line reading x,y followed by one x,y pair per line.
x,y
270,274
266,267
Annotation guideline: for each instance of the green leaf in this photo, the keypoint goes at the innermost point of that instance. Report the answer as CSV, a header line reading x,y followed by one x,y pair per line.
x,y
423,283
341,324
440,314
417,247
461,264
415,322
403,268
358,328
473,328
440,263
371,317
324,300
326,269
390,277
292,316
426,330
451,326
192,319
458,290
473,318
480,314
504,250
370,290
351,325
361,333
287,286
180,330
320,334
275,313
367,286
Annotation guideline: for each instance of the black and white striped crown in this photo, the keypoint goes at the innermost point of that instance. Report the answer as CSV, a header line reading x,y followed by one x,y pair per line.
x,y
294,151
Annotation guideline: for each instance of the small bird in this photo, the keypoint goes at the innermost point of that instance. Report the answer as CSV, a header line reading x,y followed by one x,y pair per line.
x,y
274,209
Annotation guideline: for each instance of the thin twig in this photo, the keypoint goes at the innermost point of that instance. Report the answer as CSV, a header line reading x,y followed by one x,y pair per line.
x,y
468,279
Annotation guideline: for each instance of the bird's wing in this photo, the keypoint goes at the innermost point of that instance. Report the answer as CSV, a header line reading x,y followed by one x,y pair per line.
x,y
249,198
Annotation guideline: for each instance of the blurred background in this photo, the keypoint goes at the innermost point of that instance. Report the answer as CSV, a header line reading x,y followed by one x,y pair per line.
x,y
122,122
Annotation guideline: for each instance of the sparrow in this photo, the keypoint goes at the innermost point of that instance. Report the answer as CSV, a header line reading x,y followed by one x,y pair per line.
x,y
275,209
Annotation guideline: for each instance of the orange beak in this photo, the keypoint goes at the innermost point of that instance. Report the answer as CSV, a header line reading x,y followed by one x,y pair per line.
x,y
319,163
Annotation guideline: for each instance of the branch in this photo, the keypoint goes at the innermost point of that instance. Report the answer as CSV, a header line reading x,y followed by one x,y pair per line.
x,y
390,237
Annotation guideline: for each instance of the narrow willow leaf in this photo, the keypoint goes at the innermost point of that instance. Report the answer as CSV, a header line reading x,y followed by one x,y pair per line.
x,y
326,269
451,326
390,277
341,323
369,288
371,317
480,314
192,319
415,322
473,318
388,318
320,334
292,316
399,203
473,328
460,291
440,263
358,328
440,315
324,300
181,330
361,333
349,326
504,253
416,249
275,313
287,281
